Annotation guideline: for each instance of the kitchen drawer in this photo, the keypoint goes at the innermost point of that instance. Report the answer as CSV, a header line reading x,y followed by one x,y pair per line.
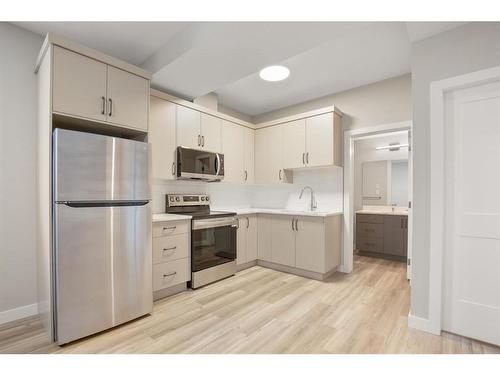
x,y
369,218
171,273
369,230
168,248
171,228
372,244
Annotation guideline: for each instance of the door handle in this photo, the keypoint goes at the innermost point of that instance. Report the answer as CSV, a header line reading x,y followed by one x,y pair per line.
x,y
103,112
110,107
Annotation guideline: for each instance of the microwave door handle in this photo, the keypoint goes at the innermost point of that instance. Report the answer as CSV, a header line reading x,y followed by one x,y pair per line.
x,y
217,164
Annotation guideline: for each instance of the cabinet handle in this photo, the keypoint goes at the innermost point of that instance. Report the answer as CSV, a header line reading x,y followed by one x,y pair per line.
x,y
304,158
199,140
246,175
280,174
173,169
202,141
307,158
248,222
293,228
169,274
297,224
402,225
103,112
170,248
168,228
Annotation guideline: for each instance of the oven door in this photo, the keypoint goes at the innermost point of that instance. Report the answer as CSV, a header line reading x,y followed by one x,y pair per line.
x,y
213,242
199,165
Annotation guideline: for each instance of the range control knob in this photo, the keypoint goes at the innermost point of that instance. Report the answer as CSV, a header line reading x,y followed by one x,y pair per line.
x,y
206,199
171,199
177,199
202,198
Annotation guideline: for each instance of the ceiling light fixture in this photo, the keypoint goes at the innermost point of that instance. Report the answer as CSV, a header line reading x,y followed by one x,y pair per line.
x,y
274,73
392,147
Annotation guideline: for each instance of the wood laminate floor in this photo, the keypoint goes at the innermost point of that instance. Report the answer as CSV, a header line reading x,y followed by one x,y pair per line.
x,y
265,311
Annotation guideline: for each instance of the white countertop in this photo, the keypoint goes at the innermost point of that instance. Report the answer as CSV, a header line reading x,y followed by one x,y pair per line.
x,y
382,212
170,217
278,211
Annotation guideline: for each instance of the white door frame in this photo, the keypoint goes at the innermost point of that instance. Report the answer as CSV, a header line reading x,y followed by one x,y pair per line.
x,y
437,207
349,137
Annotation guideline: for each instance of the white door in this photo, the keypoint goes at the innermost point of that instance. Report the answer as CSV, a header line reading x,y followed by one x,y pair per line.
x,y
79,85
410,205
283,240
241,240
294,144
472,218
310,244
319,140
188,127
251,248
128,99
249,146
162,138
233,150
211,133
269,155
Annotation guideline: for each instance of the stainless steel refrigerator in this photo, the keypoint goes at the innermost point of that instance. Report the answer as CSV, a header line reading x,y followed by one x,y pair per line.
x,y
102,233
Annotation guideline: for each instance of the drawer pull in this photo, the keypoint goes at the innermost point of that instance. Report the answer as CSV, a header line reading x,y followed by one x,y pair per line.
x,y
169,274
169,228
170,248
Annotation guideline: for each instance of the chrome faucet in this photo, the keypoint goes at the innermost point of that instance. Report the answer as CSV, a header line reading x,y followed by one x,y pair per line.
x,y
313,200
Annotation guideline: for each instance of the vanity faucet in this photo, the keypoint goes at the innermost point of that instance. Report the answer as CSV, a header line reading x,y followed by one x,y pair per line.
x,y
313,200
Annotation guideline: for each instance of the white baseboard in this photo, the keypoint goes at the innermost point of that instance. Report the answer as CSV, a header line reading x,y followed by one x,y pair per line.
x,y
422,324
18,313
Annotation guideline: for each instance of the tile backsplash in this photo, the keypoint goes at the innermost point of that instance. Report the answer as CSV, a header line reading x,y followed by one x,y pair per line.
x,y
326,182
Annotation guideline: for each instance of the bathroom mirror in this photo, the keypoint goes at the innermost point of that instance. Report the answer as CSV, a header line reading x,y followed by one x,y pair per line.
x,y
385,183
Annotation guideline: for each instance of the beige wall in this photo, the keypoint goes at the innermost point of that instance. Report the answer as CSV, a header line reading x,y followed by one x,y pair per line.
x,y
378,103
18,108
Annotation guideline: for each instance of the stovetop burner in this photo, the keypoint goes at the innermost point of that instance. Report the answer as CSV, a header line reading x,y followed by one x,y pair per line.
x,y
197,206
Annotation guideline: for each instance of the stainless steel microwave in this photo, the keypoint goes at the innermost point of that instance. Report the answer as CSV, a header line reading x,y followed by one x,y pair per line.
x,y
195,164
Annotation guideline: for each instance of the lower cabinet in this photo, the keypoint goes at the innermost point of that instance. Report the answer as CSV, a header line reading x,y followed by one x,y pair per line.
x,y
382,234
246,247
171,254
301,242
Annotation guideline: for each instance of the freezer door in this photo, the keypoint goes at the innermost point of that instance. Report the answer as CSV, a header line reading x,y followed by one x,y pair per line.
x,y
93,167
103,268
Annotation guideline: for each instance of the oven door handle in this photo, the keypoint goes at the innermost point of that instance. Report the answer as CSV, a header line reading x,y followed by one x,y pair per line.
x,y
230,221
217,164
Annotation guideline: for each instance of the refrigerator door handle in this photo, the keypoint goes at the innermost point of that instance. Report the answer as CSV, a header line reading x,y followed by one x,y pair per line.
x,y
104,204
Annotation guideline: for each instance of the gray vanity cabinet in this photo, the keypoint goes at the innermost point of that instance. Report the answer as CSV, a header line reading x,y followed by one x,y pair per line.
x,y
382,234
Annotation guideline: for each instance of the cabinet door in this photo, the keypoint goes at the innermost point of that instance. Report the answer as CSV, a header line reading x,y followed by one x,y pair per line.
x,y
128,99
79,85
283,240
310,244
395,235
294,144
241,240
162,138
269,155
188,127
249,146
233,150
211,133
319,140
251,248
264,238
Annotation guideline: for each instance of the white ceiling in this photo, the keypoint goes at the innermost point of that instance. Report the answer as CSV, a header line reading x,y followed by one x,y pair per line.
x,y
196,58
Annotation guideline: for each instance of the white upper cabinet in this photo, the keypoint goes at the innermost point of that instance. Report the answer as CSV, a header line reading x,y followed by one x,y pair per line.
x,y
128,99
188,127
319,137
91,89
162,138
269,155
211,133
79,85
249,147
294,142
233,149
